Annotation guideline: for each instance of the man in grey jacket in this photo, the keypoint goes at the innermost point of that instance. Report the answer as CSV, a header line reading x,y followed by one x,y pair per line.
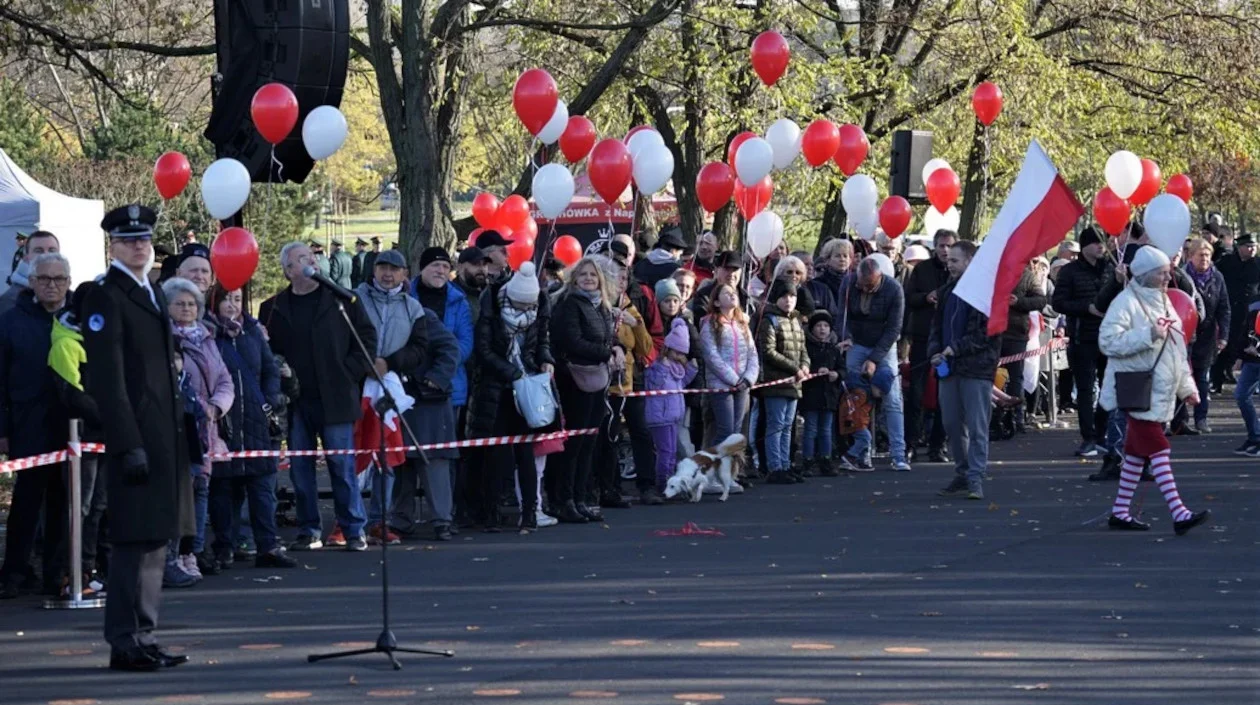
x,y
873,317
40,242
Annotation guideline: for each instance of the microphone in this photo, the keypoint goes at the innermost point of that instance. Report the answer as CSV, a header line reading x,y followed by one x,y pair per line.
x,y
311,272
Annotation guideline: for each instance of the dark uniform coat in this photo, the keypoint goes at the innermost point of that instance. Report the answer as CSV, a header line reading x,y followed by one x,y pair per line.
x,y
131,353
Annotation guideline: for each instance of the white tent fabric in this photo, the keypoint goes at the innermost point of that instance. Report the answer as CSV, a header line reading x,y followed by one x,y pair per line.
x,y
26,205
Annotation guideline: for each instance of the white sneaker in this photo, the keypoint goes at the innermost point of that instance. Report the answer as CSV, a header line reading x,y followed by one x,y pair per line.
x,y
545,520
188,564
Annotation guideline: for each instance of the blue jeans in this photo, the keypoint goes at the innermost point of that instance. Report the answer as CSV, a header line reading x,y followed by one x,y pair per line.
x,y
818,428
380,504
260,493
1117,424
728,415
780,414
1248,379
347,501
201,507
894,418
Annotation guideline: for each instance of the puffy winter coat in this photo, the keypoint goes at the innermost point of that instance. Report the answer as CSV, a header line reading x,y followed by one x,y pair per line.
x,y
1079,284
822,394
637,342
926,278
256,379
28,396
458,318
656,266
975,351
495,373
1029,297
664,374
210,380
1125,338
729,357
581,332
1215,321
781,345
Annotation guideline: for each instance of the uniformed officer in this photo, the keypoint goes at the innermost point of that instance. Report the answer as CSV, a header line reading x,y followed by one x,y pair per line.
x,y
127,335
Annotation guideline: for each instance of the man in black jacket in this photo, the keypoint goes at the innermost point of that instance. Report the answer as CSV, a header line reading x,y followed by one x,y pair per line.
x,y
922,289
306,327
963,350
127,337
1241,271
728,269
663,259
1078,286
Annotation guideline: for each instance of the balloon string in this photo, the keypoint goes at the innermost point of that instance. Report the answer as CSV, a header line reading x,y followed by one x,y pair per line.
x,y
551,239
982,208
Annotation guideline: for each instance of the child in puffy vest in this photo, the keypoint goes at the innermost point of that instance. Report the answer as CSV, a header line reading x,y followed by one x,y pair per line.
x,y
671,372
820,397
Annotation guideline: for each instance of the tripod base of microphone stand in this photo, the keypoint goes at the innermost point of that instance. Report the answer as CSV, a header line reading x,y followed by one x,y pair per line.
x,y
385,644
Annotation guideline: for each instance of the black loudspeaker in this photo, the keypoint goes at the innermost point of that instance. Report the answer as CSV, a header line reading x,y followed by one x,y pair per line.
x,y
911,150
304,44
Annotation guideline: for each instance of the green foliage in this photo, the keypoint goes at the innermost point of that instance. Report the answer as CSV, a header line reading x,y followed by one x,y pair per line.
x,y
22,128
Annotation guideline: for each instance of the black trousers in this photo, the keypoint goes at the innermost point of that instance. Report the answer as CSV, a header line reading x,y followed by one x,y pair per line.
x,y
920,371
569,473
135,593
1015,378
1233,347
607,474
496,463
39,489
1088,367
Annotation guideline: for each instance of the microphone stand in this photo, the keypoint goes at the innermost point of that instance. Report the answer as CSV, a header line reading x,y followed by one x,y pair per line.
x,y
386,642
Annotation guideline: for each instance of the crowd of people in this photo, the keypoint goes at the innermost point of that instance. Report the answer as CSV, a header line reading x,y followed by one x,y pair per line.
x,y
870,353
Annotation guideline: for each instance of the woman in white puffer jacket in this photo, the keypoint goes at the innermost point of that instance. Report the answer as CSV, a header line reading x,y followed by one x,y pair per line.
x,y
1142,332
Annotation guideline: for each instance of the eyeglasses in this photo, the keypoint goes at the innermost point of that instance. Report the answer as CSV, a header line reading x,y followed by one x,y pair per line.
x,y
55,281
183,304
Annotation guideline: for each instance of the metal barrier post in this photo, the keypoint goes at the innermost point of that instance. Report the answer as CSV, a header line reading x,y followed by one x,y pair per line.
x,y
1053,406
75,600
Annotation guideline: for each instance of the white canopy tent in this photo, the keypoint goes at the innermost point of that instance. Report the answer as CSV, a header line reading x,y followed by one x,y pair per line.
x,y
26,206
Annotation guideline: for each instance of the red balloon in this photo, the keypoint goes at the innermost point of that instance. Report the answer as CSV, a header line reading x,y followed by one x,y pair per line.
x,y
852,151
820,141
512,213
1148,187
534,97
1180,186
484,206
234,257
987,102
895,216
171,173
1111,211
578,138
567,249
739,139
943,188
1186,311
275,112
528,229
770,54
520,252
609,169
715,184
752,201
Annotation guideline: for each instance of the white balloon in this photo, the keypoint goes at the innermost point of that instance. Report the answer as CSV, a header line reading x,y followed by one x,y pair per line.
x,y
864,223
225,188
553,190
1167,222
556,125
933,165
753,161
885,265
653,168
934,220
784,137
859,194
323,132
765,232
642,140
1123,172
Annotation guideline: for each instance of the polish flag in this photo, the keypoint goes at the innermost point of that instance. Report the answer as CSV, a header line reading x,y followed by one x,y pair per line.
x,y
1037,215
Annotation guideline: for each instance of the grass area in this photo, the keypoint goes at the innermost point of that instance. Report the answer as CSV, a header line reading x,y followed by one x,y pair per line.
x,y
383,224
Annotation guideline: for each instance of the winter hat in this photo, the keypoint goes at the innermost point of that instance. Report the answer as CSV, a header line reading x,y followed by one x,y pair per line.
x,y
522,288
1147,260
678,337
821,315
781,288
1088,237
666,288
434,254
916,253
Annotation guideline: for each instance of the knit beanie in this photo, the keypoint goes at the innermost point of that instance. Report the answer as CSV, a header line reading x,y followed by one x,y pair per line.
x,y
666,288
523,288
1147,260
781,288
678,338
1088,237
821,315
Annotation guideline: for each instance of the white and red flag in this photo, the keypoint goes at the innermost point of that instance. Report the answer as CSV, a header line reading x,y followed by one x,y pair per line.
x,y
1038,213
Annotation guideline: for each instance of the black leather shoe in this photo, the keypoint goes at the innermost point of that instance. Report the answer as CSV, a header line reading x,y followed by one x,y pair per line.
x,y
938,456
167,659
650,497
781,477
1181,527
1110,470
443,532
134,660
610,500
567,513
591,513
1129,524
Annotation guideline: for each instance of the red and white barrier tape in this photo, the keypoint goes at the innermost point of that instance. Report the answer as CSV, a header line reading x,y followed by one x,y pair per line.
x,y
717,390
1052,345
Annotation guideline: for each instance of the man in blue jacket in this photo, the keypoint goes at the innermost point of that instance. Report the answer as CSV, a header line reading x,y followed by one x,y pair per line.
x,y
433,288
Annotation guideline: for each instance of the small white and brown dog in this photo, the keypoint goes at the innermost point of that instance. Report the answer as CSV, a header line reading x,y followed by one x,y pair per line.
x,y
720,465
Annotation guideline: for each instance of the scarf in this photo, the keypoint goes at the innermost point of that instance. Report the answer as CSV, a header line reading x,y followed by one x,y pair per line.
x,y
194,334
230,326
516,322
1201,279
594,297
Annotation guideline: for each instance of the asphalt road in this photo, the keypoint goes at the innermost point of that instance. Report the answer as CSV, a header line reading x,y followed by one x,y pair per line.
x,y
862,590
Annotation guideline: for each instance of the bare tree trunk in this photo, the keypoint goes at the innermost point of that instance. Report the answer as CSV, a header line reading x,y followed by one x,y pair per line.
x,y
832,225
973,189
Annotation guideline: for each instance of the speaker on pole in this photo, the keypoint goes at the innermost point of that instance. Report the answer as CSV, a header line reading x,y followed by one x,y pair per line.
x,y
911,150
304,44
